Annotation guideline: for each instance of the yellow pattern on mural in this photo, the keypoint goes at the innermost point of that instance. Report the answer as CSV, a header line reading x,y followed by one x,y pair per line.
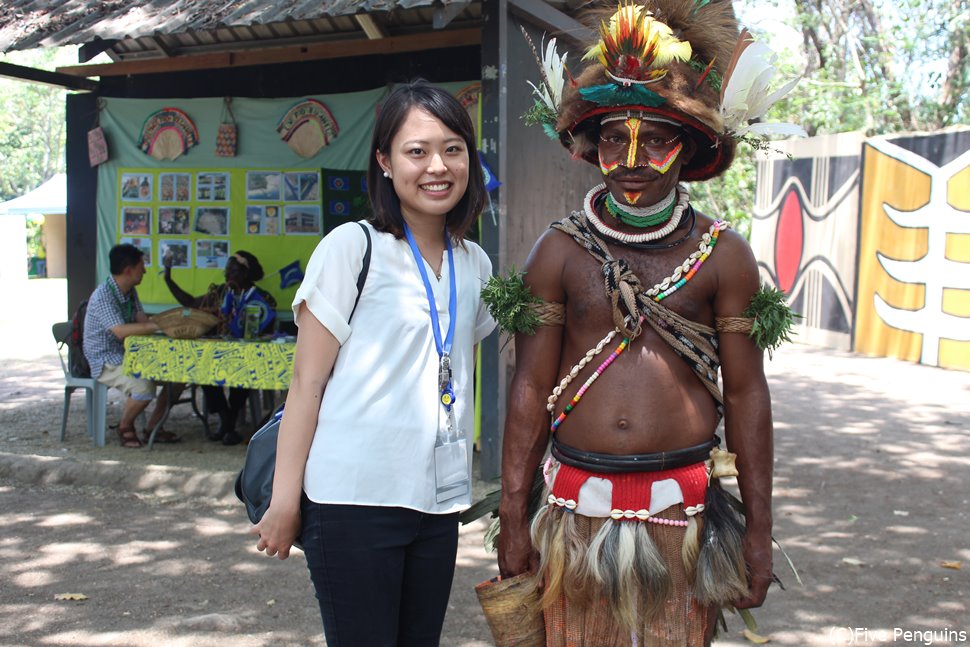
x,y
902,295
887,181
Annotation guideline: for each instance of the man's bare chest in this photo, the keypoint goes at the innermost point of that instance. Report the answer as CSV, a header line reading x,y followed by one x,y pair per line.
x,y
587,299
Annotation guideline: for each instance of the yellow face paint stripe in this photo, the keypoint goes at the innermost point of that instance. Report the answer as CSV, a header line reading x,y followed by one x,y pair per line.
x,y
633,125
632,196
662,166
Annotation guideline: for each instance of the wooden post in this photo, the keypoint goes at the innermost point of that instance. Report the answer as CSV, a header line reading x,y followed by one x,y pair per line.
x,y
494,134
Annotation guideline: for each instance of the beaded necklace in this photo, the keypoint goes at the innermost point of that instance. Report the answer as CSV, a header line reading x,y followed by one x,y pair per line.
x,y
625,214
686,270
592,378
658,292
624,237
642,217
691,219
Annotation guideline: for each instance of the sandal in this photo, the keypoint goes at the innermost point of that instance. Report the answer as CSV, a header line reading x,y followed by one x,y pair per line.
x,y
128,437
162,437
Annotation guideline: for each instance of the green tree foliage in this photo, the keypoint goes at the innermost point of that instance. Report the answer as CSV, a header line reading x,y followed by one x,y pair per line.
x,y
882,66
32,126
878,66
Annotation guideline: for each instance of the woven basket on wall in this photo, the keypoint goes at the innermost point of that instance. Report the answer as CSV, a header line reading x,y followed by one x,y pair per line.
x,y
185,323
514,620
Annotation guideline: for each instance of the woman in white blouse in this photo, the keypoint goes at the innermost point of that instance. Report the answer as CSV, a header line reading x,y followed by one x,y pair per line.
x,y
374,455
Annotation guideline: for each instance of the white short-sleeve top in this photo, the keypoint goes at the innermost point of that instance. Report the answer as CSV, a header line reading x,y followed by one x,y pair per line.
x,y
379,416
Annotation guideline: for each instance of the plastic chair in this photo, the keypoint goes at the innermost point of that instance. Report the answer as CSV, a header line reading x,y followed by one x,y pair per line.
x,y
96,394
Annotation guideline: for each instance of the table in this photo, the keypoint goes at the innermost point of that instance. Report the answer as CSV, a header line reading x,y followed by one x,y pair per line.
x,y
260,365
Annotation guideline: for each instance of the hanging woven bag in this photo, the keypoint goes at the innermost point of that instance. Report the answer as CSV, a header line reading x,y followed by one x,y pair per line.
x,y
227,137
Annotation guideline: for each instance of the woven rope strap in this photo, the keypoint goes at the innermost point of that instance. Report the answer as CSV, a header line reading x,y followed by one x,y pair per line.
x,y
734,324
550,313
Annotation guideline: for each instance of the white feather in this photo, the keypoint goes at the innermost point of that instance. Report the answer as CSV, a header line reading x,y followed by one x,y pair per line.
x,y
553,67
745,93
765,129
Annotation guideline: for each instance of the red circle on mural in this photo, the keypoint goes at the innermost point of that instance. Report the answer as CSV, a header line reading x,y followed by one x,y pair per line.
x,y
788,242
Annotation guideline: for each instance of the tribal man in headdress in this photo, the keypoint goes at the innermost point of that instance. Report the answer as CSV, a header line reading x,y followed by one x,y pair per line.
x,y
636,542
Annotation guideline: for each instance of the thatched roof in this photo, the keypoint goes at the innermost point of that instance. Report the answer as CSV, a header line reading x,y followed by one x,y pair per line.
x,y
157,28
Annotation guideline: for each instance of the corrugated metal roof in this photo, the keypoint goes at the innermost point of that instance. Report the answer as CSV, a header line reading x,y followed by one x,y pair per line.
x,y
168,27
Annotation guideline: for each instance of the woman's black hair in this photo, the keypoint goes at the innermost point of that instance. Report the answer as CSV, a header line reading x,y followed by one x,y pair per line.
x,y
384,201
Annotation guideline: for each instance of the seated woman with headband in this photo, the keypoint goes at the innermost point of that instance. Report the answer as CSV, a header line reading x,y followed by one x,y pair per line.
x,y
229,300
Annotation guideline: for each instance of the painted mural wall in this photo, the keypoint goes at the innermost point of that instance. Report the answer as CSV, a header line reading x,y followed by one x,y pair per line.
x,y
805,230
871,240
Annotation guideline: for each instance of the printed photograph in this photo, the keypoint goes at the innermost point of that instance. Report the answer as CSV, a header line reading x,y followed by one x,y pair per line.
x,y
136,187
213,187
211,253
144,244
213,221
136,220
302,187
301,219
174,220
177,250
254,219
271,221
262,221
174,187
263,185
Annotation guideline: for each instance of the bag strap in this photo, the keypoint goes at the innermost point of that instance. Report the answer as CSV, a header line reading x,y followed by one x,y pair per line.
x,y
227,110
362,277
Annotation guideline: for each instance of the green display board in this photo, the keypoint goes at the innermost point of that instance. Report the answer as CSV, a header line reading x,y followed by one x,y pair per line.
x,y
200,217
269,199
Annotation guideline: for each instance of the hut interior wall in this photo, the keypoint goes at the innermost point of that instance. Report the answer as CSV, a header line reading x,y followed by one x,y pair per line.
x,y
266,81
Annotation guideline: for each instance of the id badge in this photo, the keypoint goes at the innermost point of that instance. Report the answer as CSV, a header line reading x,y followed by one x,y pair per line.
x,y
451,470
451,463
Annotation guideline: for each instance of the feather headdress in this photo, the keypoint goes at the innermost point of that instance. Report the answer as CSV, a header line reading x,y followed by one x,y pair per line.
x,y
634,48
674,59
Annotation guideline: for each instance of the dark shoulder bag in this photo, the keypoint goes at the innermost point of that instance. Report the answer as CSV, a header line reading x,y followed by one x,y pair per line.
x,y
254,485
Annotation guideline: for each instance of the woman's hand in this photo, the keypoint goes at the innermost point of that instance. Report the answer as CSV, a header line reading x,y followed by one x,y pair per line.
x,y
277,530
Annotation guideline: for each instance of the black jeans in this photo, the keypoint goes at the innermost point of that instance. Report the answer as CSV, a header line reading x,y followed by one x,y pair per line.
x,y
382,575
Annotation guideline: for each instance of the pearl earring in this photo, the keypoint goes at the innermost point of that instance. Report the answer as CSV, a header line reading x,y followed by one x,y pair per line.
x,y
386,174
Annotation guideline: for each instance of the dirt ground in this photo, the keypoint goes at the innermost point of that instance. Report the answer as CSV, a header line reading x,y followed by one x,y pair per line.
x,y
871,503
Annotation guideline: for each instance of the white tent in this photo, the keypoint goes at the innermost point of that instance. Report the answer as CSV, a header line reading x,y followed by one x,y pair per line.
x,y
48,200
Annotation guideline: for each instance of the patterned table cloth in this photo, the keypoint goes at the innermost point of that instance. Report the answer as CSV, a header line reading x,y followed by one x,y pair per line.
x,y
221,362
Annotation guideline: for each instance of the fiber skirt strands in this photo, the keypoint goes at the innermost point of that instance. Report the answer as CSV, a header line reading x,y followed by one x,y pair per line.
x,y
644,558
512,611
185,323
586,619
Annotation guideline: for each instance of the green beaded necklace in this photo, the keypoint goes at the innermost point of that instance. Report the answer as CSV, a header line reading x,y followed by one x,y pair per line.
x,y
617,211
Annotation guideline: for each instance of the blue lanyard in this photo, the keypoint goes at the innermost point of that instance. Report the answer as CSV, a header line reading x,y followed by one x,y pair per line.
x,y
443,348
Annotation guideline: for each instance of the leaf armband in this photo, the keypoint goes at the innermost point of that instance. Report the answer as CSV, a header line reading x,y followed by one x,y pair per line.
x,y
514,307
773,318
768,319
